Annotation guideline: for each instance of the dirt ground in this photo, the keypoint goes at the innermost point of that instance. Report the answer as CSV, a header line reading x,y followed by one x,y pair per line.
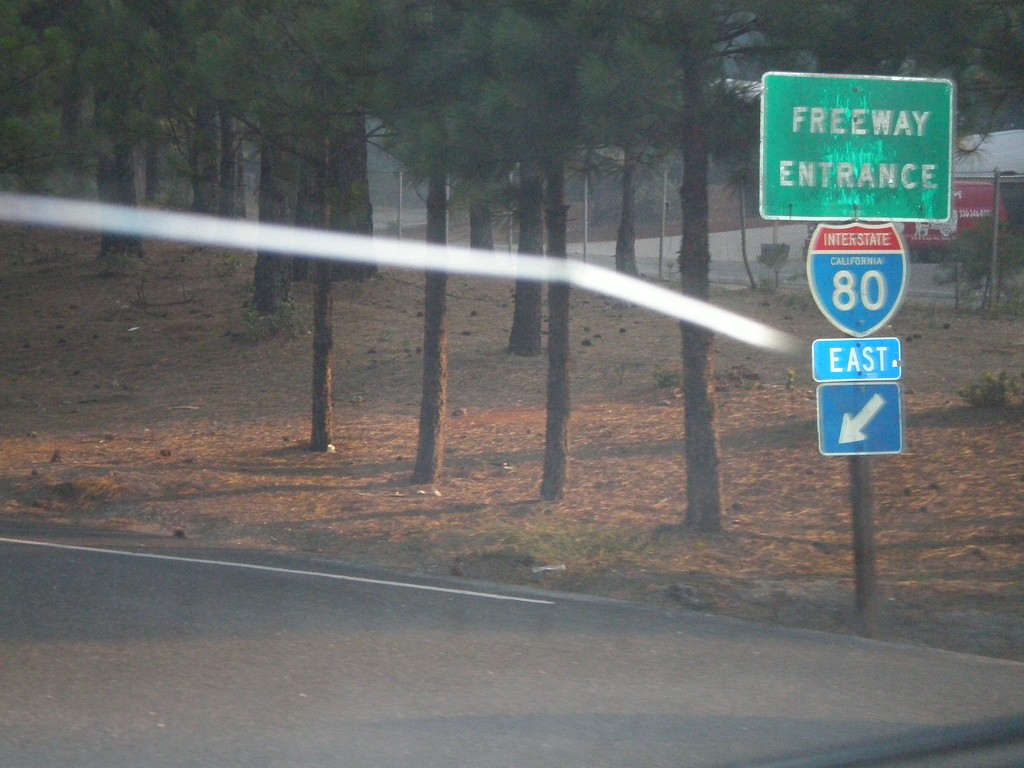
x,y
152,402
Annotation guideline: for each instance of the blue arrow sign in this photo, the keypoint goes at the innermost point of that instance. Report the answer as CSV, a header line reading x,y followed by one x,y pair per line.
x,y
857,274
860,419
871,359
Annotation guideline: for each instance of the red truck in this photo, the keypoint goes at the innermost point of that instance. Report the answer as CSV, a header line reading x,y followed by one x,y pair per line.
x,y
973,201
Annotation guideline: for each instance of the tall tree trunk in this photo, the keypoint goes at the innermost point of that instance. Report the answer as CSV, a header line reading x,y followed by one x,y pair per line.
x,y
74,102
430,447
115,181
204,160
273,273
342,184
556,440
524,339
347,191
743,234
323,345
625,241
309,209
322,275
151,153
230,201
480,219
703,488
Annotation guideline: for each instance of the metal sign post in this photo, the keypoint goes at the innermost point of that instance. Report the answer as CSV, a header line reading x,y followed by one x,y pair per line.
x,y
860,149
862,497
857,274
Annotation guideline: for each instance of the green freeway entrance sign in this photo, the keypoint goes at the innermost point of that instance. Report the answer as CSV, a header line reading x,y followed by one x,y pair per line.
x,y
856,147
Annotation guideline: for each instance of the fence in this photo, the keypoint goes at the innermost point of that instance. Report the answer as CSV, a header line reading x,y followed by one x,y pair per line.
x,y
744,247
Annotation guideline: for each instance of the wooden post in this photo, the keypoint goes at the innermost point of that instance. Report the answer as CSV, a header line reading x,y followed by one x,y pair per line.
x,y
862,494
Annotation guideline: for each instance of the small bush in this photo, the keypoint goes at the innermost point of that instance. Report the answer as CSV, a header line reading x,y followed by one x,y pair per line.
x,y
994,391
972,265
668,378
774,256
261,327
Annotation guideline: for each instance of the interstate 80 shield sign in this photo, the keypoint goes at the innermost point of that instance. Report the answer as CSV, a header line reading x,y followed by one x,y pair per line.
x,y
857,274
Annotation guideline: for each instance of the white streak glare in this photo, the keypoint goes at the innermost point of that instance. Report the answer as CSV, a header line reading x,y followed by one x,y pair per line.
x,y
339,246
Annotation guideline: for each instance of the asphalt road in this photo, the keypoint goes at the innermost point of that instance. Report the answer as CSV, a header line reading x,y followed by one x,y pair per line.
x,y
143,659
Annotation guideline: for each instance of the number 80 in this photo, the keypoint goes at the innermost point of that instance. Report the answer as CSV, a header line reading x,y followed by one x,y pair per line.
x,y
872,292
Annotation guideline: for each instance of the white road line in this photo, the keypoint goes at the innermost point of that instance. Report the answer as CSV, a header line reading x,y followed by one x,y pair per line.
x,y
340,246
274,569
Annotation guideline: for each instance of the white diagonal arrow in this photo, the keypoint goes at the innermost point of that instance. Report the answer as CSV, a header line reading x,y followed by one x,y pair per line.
x,y
853,426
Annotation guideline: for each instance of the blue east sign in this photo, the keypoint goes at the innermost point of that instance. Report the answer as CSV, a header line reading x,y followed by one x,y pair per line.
x,y
857,274
871,359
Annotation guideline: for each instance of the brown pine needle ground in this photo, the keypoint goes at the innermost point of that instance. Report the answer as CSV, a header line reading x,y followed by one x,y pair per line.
x,y
153,402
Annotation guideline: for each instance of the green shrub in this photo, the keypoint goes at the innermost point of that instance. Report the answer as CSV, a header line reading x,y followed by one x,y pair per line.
x,y
994,391
259,327
774,256
668,378
971,264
